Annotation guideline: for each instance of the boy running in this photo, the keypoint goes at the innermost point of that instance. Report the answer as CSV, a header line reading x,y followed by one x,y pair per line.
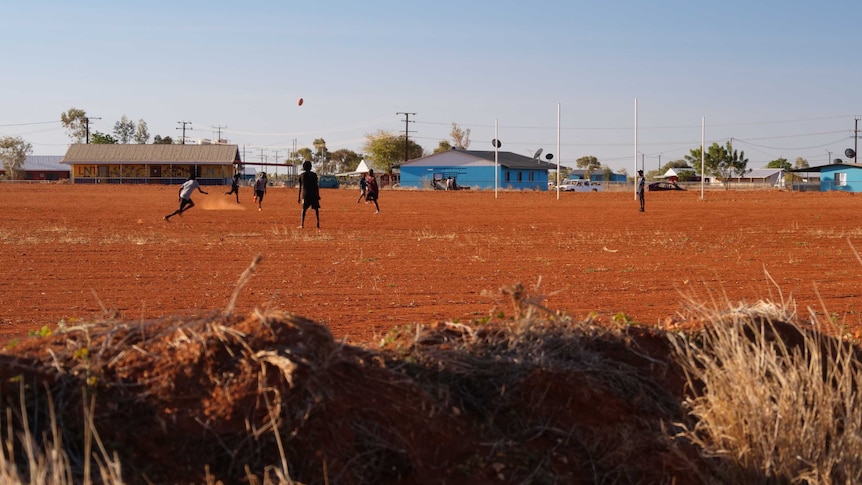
x,y
186,190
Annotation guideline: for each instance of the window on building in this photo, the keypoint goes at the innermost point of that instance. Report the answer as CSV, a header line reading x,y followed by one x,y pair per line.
x,y
520,176
840,179
508,176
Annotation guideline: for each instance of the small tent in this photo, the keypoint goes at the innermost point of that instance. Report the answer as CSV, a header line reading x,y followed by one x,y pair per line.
x,y
360,169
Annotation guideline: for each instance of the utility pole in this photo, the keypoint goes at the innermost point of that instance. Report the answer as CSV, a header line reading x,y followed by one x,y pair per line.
x,y
659,163
87,126
218,136
184,123
276,164
856,140
406,133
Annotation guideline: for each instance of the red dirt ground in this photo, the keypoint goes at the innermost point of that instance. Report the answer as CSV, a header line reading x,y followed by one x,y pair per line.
x,y
104,252
76,252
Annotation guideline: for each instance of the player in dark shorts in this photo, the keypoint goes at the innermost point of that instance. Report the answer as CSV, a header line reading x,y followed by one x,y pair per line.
x,y
260,189
234,187
309,193
371,189
362,186
185,194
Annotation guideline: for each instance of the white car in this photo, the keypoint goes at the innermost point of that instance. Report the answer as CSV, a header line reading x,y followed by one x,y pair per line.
x,y
580,185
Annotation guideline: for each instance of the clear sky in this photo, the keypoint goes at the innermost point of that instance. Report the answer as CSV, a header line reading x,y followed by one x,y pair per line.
x,y
779,78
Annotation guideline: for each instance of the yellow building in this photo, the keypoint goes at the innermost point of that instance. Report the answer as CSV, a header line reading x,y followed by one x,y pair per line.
x,y
152,164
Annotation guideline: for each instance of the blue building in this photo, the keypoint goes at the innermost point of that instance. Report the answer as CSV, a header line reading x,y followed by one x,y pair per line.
x,y
476,169
600,175
846,177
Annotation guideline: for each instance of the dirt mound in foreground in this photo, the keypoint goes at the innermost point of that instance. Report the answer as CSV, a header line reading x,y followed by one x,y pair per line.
x,y
273,395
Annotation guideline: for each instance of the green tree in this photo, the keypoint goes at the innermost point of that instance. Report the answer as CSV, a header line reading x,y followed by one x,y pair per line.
x,y
13,153
124,129
386,150
158,140
303,154
781,163
722,162
443,146
345,160
76,123
460,137
98,138
142,133
675,164
588,163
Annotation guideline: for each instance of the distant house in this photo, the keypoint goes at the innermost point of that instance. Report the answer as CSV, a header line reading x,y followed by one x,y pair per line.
x,y
42,167
600,175
846,177
152,164
755,176
761,176
477,169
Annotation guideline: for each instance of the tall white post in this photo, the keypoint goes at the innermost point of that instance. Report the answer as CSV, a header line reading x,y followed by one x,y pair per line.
x,y
702,155
635,173
496,160
558,151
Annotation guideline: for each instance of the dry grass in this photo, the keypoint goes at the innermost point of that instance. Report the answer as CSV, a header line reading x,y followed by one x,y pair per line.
x,y
772,398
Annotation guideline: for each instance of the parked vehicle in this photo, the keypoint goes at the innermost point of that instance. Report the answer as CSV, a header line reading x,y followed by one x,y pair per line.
x,y
327,182
659,186
580,185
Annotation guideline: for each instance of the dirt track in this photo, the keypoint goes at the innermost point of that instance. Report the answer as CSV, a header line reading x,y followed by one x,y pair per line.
x,y
68,251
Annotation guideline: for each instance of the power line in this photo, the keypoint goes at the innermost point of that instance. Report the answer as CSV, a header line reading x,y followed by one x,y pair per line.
x,y
28,124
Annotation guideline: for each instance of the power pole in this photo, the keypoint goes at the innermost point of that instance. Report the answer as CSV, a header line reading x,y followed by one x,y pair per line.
x,y
218,136
659,163
184,123
87,126
406,133
856,140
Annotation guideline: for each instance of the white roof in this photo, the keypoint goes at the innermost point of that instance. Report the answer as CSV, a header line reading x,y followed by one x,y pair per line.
x,y
360,169
45,162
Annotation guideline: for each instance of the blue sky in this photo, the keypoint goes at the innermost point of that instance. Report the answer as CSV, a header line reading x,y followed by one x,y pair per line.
x,y
780,78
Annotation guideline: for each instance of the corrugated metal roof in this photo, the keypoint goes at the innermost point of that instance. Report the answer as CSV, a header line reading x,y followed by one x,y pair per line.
x,y
513,160
178,154
35,163
506,159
